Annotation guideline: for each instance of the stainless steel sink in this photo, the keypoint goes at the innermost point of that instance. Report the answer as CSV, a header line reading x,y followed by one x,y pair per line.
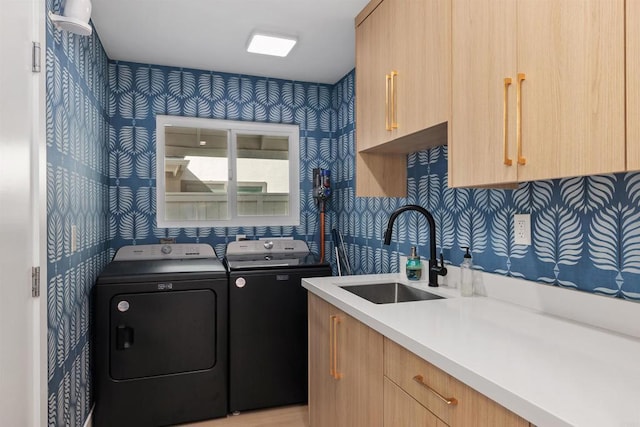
x,y
387,293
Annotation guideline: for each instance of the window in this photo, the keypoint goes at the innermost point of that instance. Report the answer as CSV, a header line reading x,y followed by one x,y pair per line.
x,y
213,173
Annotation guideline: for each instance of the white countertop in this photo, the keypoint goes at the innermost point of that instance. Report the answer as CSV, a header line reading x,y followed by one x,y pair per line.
x,y
550,371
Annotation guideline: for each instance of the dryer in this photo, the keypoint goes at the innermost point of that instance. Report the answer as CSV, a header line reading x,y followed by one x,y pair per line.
x,y
160,336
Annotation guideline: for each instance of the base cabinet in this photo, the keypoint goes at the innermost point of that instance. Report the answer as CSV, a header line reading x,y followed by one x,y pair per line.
x,y
345,369
359,378
454,403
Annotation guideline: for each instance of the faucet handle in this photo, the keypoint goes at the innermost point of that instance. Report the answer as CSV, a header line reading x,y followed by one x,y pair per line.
x,y
440,269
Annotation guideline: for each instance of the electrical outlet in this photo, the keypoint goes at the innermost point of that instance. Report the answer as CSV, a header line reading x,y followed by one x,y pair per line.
x,y
74,238
522,229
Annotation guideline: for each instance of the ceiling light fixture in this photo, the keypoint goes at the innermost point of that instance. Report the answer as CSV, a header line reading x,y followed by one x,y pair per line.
x,y
202,143
270,44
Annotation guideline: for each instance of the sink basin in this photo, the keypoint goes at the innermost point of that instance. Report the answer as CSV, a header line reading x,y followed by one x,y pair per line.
x,y
386,293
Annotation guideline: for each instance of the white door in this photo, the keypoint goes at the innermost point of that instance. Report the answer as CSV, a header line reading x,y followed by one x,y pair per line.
x,y
22,370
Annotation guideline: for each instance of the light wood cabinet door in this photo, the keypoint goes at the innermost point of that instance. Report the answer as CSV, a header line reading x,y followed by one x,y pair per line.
x,y
403,88
570,55
633,85
345,369
374,51
403,71
573,95
360,371
484,55
400,409
322,386
376,174
422,59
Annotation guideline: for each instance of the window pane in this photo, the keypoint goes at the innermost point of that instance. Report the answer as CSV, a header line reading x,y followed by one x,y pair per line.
x,y
263,175
196,174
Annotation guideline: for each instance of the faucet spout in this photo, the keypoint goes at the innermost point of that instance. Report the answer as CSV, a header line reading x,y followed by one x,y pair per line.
x,y
434,269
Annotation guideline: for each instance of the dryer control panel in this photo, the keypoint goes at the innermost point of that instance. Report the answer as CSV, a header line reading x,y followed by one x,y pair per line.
x,y
165,251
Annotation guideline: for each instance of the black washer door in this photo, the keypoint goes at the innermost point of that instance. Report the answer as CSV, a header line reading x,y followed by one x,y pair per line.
x,y
159,333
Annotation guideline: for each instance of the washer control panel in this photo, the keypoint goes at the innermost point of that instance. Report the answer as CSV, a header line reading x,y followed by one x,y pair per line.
x,y
165,251
261,248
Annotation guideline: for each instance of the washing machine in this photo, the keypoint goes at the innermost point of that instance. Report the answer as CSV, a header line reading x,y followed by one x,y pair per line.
x,y
160,337
268,321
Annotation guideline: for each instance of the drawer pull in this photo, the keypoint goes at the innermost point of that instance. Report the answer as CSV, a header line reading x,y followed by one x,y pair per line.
x,y
507,161
387,101
394,101
448,400
521,78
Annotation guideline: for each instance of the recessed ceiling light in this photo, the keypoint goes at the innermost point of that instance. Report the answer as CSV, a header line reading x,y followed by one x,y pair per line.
x,y
269,44
203,143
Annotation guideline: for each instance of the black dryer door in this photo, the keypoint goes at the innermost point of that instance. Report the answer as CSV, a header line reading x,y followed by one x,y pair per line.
x,y
159,333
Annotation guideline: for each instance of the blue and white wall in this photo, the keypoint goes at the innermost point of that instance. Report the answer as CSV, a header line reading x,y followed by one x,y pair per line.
x,y
101,178
77,194
139,92
585,230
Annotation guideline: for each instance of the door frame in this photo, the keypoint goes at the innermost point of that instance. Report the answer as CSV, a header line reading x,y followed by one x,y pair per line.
x,y
39,221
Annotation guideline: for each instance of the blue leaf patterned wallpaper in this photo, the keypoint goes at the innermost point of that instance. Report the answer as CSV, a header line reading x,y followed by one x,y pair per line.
x,y
576,222
101,178
77,195
585,230
139,92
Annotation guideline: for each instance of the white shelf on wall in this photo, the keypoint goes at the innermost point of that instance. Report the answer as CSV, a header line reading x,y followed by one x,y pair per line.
x,y
73,25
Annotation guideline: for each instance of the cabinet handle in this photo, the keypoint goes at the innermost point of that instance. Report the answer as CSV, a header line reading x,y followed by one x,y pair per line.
x,y
507,160
394,101
331,324
335,320
387,96
448,400
333,347
521,77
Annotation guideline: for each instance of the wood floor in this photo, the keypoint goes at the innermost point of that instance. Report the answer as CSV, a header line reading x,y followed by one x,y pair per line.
x,y
288,416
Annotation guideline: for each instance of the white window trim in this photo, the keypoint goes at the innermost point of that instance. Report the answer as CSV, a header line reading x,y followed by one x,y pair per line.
x,y
232,127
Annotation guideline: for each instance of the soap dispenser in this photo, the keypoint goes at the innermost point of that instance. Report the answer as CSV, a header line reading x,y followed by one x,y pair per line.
x,y
414,265
466,274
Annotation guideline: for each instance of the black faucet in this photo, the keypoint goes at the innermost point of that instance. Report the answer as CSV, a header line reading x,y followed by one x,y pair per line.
x,y
435,270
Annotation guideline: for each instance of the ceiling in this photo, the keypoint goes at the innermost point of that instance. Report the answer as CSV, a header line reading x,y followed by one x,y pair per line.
x,y
213,34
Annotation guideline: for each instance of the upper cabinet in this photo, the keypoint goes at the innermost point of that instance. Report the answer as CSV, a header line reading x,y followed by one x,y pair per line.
x,y
633,85
403,71
538,90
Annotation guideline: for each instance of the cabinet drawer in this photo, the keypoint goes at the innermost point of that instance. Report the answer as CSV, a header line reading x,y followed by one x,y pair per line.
x,y
433,388
400,409
403,368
